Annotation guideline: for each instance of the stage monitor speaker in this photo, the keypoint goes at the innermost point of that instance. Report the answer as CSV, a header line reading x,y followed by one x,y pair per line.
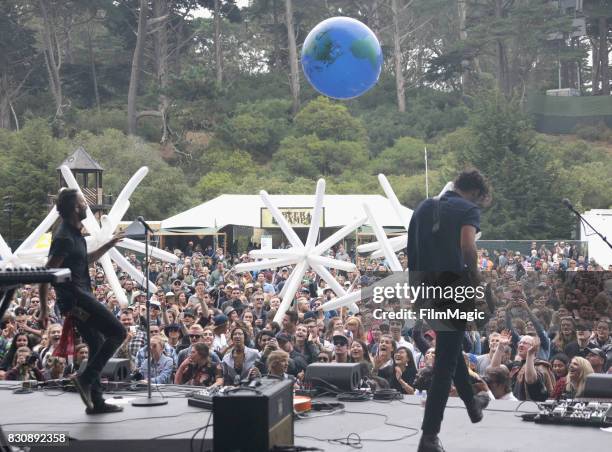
x,y
116,369
345,376
254,418
598,386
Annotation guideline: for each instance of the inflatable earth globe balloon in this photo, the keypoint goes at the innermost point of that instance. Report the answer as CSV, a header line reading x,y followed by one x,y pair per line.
x,y
342,58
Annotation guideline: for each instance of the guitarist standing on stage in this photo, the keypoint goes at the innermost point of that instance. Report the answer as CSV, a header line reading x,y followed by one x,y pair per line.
x,y
100,329
442,252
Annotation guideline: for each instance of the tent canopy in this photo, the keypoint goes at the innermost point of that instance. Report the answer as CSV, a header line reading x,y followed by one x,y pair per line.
x,y
246,210
600,219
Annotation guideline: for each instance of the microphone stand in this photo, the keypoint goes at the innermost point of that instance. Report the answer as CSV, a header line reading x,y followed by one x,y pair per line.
x,y
570,207
149,401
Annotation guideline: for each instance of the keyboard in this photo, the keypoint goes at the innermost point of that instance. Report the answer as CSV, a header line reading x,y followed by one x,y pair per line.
x,y
30,275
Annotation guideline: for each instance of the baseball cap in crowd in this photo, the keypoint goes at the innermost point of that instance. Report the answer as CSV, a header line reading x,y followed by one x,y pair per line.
x,y
284,269
328,289
310,315
220,319
338,337
170,294
228,310
597,351
305,290
283,338
542,285
137,293
155,304
177,282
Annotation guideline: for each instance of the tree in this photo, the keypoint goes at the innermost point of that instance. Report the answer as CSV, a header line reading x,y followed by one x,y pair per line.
x,y
221,9
137,62
407,21
164,192
599,30
294,74
509,39
406,156
329,120
309,156
146,25
17,60
28,171
525,185
397,57
53,55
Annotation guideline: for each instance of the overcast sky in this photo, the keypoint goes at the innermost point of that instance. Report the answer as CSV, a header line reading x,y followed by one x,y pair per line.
x,y
202,12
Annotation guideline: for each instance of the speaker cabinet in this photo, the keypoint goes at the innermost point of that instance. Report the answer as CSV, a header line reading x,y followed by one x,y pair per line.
x,y
345,376
254,419
598,386
116,369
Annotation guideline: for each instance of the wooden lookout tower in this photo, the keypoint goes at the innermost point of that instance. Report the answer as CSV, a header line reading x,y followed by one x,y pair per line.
x,y
88,174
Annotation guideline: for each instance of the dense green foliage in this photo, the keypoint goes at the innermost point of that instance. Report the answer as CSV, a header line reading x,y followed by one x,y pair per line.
x,y
238,135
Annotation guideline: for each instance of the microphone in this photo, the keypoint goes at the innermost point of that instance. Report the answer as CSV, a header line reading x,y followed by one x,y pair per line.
x,y
142,221
566,202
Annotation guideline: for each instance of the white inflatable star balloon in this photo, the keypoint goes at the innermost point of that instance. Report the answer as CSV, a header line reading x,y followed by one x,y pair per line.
x,y
383,247
28,254
101,234
303,256
396,243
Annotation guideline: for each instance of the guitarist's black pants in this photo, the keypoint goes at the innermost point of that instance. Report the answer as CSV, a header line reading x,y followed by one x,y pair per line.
x,y
102,333
448,365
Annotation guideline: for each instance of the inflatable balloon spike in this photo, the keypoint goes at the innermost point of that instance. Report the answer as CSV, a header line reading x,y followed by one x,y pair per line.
x,y
101,234
303,255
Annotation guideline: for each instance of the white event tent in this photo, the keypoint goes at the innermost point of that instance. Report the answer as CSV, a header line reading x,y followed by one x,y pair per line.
x,y
246,210
600,219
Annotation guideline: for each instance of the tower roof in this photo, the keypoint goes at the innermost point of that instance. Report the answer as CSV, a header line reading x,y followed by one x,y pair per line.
x,y
81,160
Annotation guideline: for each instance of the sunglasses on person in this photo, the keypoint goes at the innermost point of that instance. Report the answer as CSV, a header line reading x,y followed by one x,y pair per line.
x,y
195,336
339,344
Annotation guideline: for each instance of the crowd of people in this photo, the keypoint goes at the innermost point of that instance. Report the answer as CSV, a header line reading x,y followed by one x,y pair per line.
x,y
212,326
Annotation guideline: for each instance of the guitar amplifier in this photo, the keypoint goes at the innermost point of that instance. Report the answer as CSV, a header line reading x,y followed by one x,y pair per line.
x,y
254,418
116,369
598,386
326,376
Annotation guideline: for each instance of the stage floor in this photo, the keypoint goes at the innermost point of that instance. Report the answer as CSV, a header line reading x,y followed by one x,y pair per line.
x,y
175,423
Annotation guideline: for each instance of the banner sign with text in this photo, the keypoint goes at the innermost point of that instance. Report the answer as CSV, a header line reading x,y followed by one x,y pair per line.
x,y
297,217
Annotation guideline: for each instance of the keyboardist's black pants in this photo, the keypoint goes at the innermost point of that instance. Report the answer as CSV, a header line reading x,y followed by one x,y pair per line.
x,y
103,334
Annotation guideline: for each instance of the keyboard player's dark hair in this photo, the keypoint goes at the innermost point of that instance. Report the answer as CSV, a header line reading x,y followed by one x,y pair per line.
x,y
66,202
